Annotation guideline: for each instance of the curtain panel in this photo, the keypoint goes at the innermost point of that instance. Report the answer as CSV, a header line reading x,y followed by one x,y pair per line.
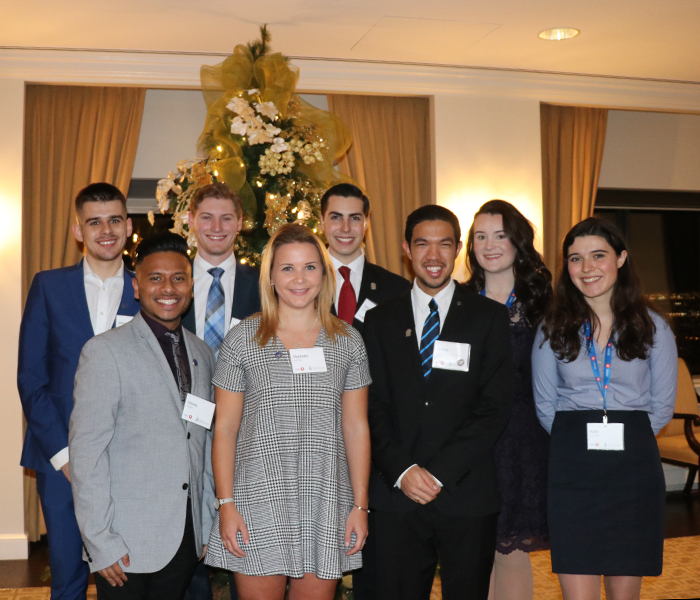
x,y
390,158
73,136
573,139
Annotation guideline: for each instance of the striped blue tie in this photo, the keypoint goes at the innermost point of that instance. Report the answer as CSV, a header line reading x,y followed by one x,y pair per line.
x,y
431,331
215,317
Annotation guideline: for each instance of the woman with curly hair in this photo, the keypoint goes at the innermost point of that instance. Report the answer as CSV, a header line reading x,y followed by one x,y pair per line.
x,y
604,373
506,267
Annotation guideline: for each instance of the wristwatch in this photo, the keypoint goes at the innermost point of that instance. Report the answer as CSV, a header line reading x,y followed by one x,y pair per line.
x,y
219,501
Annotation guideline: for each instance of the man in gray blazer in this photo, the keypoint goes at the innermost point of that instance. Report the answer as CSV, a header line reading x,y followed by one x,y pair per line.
x,y
137,463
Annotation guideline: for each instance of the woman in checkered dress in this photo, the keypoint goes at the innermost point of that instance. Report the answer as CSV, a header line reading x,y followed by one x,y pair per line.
x,y
291,447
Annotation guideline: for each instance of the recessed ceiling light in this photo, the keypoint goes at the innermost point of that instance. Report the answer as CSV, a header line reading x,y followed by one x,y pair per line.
x,y
558,34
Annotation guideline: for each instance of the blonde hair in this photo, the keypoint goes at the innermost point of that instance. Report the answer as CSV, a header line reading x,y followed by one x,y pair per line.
x,y
294,233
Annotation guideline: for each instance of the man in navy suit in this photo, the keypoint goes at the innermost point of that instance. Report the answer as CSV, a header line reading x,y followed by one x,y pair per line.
x,y
360,285
65,308
225,292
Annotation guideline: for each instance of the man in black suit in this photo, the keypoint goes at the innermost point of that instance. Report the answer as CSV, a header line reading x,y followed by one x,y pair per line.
x,y
440,398
360,285
225,292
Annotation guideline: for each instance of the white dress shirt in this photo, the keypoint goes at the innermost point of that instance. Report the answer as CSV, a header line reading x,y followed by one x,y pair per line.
x,y
202,283
103,299
356,267
420,301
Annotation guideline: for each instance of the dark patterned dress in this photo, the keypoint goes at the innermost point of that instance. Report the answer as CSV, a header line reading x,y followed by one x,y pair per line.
x,y
292,480
522,454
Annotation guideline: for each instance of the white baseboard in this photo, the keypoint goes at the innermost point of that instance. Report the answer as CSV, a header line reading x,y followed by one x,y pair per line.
x,y
14,546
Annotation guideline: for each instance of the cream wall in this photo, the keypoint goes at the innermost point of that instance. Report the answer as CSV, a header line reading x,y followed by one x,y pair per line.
x,y
486,145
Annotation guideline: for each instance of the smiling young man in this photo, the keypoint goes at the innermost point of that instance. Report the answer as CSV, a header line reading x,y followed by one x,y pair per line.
x,y
440,398
225,291
137,442
360,285
64,309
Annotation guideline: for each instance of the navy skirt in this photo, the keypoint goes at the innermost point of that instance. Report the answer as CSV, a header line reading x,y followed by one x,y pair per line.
x,y
605,508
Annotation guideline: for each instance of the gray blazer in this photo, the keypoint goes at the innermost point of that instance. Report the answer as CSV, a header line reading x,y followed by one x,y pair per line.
x,y
132,457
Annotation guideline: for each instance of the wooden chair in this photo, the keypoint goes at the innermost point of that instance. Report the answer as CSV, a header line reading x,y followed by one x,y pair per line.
x,y
678,441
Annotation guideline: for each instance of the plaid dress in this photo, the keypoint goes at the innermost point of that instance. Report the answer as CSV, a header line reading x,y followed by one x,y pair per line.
x,y
292,482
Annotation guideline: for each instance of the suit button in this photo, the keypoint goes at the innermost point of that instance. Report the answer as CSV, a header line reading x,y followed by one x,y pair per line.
x,y
89,560
185,486
427,403
188,435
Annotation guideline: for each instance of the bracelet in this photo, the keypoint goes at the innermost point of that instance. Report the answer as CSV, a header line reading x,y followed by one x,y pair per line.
x,y
361,508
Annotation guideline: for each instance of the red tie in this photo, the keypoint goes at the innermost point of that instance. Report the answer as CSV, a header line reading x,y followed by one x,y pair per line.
x,y
347,303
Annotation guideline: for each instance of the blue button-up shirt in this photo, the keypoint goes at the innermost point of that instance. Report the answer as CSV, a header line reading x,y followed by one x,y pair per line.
x,y
648,385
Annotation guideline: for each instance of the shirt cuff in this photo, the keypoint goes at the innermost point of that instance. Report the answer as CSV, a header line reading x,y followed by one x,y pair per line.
x,y
398,481
60,459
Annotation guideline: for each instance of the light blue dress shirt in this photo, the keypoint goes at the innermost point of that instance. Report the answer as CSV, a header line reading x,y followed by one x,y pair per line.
x,y
648,385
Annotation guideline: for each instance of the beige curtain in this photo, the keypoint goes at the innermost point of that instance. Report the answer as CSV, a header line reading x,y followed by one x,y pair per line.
x,y
573,138
390,158
74,136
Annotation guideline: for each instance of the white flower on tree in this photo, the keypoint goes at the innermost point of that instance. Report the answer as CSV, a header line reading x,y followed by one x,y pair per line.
x,y
267,109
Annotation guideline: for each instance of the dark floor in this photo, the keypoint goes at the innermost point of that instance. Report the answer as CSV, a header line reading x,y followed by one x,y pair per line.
x,y
682,519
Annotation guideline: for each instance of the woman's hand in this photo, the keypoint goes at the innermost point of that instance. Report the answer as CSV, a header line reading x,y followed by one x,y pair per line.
x,y
355,523
230,523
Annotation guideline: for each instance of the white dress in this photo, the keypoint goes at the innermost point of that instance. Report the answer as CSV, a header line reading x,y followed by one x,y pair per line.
x,y
292,482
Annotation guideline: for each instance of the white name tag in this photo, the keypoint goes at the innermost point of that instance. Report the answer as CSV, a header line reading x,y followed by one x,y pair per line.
x,y
307,360
198,411
366,305
122,320
451,356
233,323
606,437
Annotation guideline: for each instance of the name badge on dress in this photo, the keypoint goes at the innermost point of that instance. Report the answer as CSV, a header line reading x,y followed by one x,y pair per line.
x,y
198,411
366,305
606,437
122,320
307,360
452,356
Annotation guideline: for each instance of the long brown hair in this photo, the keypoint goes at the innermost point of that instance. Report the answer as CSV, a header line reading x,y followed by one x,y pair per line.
x,y
533,281
294,233
632,323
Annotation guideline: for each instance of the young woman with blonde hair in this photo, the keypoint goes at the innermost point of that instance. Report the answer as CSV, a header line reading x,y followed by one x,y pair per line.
x,y
291,448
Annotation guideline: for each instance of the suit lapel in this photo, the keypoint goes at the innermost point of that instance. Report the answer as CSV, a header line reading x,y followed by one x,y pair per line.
x,y
76,283
127,294
145,332
411,333
365,284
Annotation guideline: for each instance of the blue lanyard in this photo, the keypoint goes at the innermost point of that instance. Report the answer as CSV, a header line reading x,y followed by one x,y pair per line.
x,y
510,300
605,382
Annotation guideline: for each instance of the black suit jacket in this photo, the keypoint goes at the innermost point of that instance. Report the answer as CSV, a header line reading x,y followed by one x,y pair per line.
x,y
448,424
377,285
246,297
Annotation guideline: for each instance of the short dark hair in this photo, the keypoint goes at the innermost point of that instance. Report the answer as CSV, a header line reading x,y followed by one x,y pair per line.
x,y
345,190
219,191
98,192
161,242
432,212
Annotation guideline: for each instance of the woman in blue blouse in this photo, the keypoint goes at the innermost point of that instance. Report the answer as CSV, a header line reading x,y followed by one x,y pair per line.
x,y
604,371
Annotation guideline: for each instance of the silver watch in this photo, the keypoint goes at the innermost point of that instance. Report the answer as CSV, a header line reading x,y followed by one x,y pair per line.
x,y
219,501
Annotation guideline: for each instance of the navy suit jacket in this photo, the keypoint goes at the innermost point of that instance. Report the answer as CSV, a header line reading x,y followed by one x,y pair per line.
x,y
246,297
377,285
55,326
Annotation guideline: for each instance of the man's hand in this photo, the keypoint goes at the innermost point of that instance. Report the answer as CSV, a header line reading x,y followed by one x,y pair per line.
x,y
419,485
114,574
66,472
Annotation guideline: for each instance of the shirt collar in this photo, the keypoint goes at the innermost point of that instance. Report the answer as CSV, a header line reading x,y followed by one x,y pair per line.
x,y
158,329
355,266
88,272
442,298
227,265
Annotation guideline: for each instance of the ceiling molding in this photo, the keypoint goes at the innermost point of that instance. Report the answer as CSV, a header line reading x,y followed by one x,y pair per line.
x,y
181,70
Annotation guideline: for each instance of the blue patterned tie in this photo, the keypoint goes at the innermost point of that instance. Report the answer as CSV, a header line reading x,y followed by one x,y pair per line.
x,y
215,317
431,331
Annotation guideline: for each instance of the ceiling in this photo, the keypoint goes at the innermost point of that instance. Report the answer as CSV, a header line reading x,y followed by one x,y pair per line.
x,y
654,39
